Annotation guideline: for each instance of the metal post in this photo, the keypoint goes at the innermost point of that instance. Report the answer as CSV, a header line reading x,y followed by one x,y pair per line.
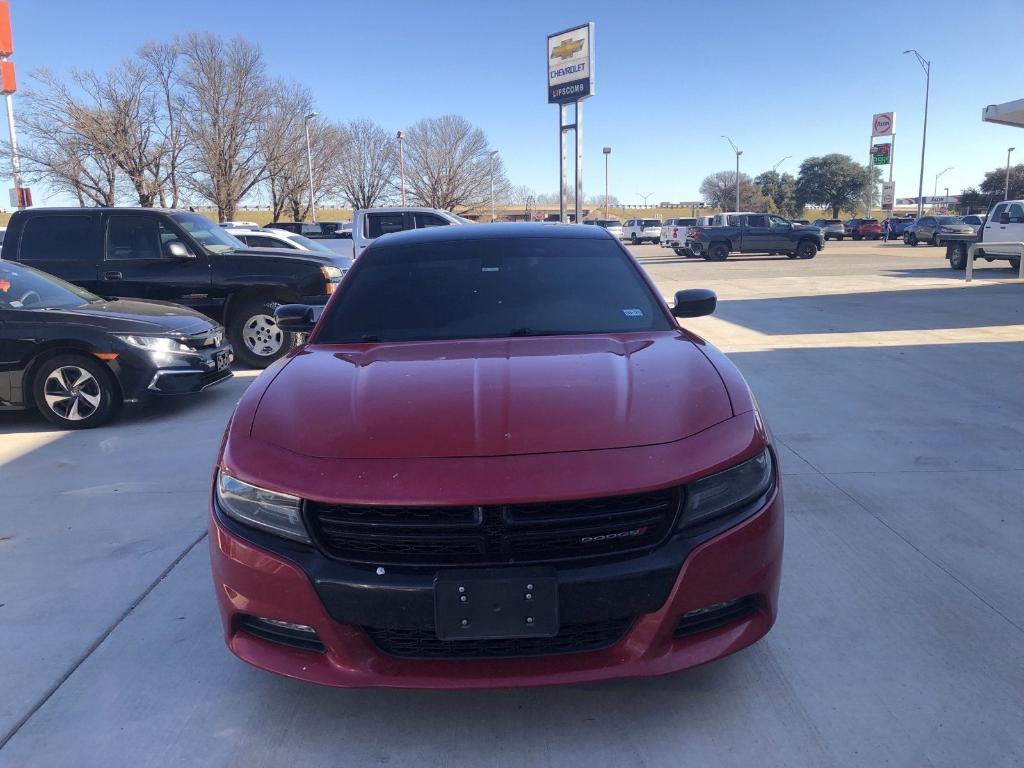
x,y
579,161
401,164
563,156
493,153
738,153
927,67
871,179
1006,193
309,160
945,201
607,151
15,160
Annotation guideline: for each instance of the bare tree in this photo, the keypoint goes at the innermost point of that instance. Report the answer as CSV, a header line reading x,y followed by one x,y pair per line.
x,y
367,164
519,195
162,62
283,145
225,100
326,141
63,144
448,164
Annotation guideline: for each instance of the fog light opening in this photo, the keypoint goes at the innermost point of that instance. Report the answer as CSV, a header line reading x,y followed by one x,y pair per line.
x,y
300,636
716,615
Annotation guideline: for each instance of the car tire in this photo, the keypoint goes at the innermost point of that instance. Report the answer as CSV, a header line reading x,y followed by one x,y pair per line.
x,y
912,240
681,252
75,391
1015,264
806,249
957,257
717,252
633,240
839,238
935,239
254,334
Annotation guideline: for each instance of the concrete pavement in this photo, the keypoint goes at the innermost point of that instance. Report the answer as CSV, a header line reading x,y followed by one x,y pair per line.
x,y
894,392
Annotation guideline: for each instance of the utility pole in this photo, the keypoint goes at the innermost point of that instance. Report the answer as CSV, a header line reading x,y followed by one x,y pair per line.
x,y
492,153
927,67
935,190
1006,192
401,163
309,161
608,150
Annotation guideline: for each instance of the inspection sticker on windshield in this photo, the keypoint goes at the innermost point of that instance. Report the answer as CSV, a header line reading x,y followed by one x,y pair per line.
x,y
633,312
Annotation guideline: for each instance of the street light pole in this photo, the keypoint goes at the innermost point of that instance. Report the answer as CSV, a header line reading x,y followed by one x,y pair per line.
x,y
927,67
607,151
945,201
738,152
1006,190
641,194
309,162
493,152
776,166
401,163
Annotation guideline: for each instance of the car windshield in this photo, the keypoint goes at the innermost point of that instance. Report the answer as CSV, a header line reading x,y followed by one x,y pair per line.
x,y
949,220
460,219
652,222
22,287
211,236
610,223
474,289
310,245
832,222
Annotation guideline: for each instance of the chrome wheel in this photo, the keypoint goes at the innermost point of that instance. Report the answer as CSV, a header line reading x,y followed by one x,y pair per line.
x,y
72,393
262,336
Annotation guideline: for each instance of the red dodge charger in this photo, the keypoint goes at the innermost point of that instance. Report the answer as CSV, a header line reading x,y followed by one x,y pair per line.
x,y
497,461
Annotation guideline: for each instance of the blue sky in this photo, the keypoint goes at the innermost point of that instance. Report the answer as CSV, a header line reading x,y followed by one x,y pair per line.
x,y
782,78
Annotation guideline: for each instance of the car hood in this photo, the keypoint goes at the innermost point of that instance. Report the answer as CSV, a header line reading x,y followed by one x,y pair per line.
x,y
284,254
133,316
496,397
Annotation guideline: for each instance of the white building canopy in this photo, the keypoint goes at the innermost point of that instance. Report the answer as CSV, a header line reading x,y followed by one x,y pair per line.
x,y
1010,113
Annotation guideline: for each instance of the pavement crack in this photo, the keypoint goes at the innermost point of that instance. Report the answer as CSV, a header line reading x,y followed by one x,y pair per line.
x,y
98,642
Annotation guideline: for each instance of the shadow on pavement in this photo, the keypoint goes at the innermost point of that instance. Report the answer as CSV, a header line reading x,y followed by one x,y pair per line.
x,y
964,306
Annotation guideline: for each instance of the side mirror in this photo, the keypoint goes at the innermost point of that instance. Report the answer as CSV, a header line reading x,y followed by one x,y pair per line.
x,y
297,318
1004,218
177,250
695,302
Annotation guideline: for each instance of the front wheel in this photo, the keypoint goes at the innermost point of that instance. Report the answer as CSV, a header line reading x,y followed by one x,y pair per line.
x,y
1015,263
806,249
254,334
75,392
957,254
911,240
633,240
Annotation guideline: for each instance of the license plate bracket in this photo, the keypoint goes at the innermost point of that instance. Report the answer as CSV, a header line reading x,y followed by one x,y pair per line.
x,y
496,603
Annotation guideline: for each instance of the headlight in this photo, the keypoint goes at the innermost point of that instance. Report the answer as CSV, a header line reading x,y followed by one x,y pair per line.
x,y
278,513
332,273
155,343
716,495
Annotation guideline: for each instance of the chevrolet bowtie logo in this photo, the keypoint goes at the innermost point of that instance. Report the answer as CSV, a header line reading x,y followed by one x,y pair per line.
x,y
567,48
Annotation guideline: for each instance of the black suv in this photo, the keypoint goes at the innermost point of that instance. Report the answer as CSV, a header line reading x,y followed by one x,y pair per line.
x,y
148,253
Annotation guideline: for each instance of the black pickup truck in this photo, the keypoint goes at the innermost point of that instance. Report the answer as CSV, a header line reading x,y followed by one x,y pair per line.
x,y
180,257
755,233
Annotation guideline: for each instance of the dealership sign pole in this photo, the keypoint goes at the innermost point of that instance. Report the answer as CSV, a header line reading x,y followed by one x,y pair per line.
x,y
21,196
570,60
882,124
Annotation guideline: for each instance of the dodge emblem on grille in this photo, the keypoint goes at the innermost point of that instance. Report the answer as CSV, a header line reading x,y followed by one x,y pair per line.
x,y
633,532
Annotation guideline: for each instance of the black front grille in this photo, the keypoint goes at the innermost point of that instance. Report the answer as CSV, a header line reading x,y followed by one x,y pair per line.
x,y
718,616
424,643
494,535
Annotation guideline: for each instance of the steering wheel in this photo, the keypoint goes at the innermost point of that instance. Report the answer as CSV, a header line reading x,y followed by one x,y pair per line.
x,y
25,298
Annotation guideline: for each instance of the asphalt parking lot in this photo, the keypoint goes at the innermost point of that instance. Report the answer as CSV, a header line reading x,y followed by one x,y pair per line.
x,y
894,392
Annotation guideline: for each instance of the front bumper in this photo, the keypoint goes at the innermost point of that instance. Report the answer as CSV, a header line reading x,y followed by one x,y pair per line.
x,y
142,375
295,584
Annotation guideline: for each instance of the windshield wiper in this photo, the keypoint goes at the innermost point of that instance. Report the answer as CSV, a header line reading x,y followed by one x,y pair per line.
x,y
533,332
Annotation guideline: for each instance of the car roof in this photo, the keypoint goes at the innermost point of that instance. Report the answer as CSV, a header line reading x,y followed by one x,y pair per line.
x,y
506,231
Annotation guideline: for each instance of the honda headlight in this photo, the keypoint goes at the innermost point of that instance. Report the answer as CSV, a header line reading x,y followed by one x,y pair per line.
x,y
161,344
278,513
719,494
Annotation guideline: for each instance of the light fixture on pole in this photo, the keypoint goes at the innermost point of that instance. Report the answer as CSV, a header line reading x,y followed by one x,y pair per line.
x,y
401,163
927,67
309,161
1006,190
641,194
939,175
776,166
738,152
607,151
492,153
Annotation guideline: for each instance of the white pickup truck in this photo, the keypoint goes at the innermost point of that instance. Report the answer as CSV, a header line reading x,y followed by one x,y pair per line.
x,y
1005,224
370,223
673,234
